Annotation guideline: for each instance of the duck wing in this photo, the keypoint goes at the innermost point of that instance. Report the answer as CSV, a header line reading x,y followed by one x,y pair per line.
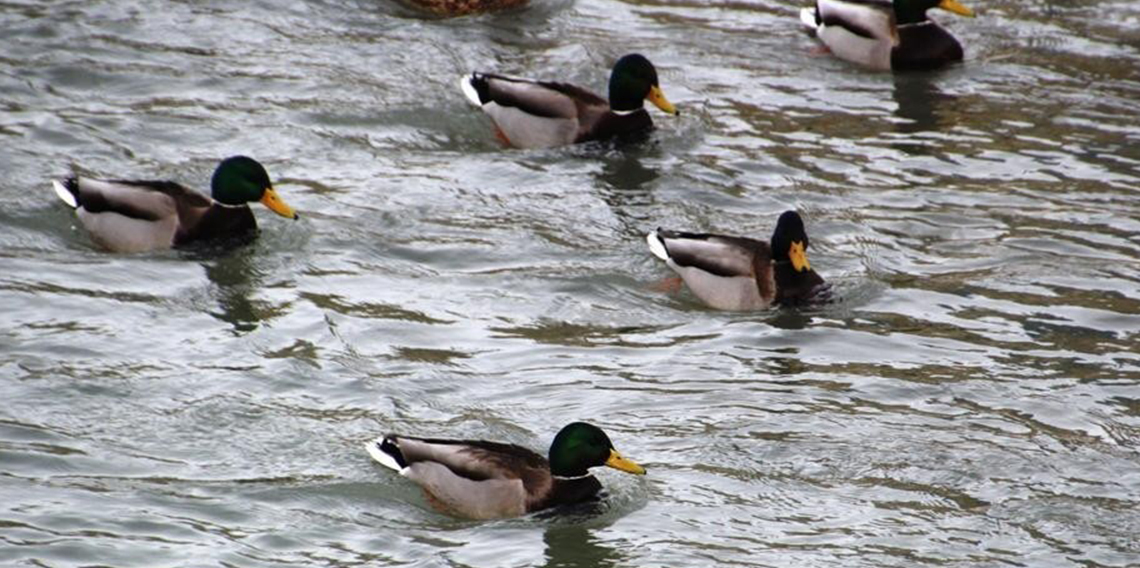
x,y
474,478
137,199
874,19
133,215
545,99
532,114
474,459
716,254
727,273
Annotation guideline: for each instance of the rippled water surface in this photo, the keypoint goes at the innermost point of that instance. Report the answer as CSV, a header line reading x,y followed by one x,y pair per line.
x,y
972,400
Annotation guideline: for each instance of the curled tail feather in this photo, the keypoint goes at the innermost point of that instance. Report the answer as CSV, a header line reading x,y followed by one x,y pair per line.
x,y
67,190
385,451
656,245
473,86
810,18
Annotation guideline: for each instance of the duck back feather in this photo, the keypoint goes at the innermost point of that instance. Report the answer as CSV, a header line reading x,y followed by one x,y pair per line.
x,y
543,114
727,273
476,479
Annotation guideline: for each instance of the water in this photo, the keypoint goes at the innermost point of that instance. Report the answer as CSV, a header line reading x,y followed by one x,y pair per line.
x,y
973,399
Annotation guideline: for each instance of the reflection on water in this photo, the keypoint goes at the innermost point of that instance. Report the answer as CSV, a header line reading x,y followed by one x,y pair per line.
x,y
785,362
231,268
791,319
575,546
921,104
624,169
626,184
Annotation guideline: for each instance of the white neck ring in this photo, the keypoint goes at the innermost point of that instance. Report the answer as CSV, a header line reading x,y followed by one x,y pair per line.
x,y
572,477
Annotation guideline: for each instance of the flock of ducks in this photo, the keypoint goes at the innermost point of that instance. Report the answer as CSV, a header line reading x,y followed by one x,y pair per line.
x,y
480,479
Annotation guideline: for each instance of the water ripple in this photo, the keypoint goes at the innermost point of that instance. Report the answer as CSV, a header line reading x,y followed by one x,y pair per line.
x,y
969,399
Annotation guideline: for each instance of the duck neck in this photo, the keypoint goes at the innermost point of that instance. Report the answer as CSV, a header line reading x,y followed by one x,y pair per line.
x,y
572,491
623,98
907,13
220,221
787,277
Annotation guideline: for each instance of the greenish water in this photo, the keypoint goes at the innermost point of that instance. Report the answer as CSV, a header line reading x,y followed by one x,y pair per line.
x,y
972,400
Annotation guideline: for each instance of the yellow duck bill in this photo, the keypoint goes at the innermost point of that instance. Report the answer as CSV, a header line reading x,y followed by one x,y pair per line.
x,y
616,461
277,205
657,97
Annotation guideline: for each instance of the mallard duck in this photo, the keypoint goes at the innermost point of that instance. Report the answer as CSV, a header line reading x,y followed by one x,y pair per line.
x,y
490,480
738,273
542,114
884,34
135,216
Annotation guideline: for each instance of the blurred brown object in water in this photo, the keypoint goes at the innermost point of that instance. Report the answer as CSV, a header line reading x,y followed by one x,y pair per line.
x,y
464,7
